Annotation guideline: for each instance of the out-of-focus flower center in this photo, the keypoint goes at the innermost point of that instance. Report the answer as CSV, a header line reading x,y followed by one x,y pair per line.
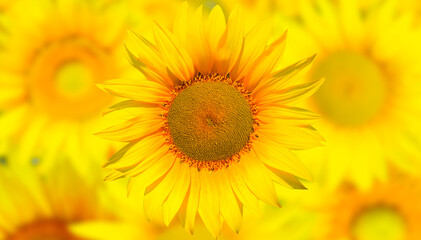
x,y
73,79
354,91
62,79
210,119
43,230
380,223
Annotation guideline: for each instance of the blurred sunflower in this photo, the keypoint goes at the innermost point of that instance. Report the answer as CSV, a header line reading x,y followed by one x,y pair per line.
x,y
53,53
131,223
388,211
213,124
370,100
34,206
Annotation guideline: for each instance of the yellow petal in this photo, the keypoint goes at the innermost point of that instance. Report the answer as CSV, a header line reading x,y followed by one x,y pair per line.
x,y
178,194
132,129
145,55
229,207
181,23
276,156
316,25
351,23
286,179
134,186
198,45
175,56
75,149
118,155
280,79
138,152
257,178
130,104
293,94
292,137
287,115
265,64
193,200
115,18
14,119
55,137
156,170
159,194
231,43
30,138
209,202
216,27
11,96
143,91
254,43
146,163
241,190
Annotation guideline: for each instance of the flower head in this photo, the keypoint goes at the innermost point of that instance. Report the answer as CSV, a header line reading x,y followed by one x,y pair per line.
x,y
213,122
355,214
35,206
370,99
53,54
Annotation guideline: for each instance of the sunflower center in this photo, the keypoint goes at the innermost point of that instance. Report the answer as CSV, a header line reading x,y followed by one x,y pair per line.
x,y
43,230
354,91
379,223
210,120
73,79
63,77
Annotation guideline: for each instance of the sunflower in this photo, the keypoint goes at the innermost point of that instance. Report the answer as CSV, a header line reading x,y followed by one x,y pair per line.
x,y
52,55
370,100
213,121
130,223
295,221
388,210
34,206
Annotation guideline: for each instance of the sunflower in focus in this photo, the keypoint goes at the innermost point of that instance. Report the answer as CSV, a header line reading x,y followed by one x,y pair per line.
x,y
34,206
213,121
53,53
388,211
370,100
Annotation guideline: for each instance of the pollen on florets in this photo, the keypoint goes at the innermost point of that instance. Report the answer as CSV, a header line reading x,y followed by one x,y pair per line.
x,y
210,121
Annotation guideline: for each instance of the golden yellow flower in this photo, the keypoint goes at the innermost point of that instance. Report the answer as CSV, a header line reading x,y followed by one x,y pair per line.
x,y
213,123
130,222
52,55
370,100
34,206
387,211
